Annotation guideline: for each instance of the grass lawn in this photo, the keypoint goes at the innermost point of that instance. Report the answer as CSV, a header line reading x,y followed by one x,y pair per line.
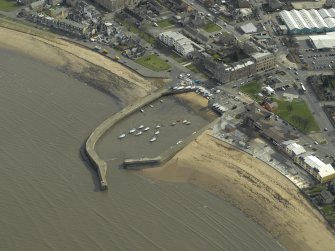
x,y
8,5
211,27
164,23
297,114
252,89
153,62
193,68
316,189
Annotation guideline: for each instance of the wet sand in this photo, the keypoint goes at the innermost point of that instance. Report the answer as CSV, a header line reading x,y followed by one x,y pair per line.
x,y
83,64
252,186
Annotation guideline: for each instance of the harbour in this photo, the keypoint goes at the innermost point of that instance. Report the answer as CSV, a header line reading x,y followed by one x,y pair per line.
x,y
53,205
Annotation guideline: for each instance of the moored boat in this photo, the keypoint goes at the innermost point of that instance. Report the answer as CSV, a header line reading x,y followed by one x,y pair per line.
x,y
122,136
132,130
146,129
138,133
157,132
153,139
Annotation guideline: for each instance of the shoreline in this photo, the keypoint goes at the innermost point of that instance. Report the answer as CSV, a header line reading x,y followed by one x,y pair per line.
x,y
259,191
186,166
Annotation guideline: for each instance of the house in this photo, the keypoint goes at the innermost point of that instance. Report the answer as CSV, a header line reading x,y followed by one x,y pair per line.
x,y
269,90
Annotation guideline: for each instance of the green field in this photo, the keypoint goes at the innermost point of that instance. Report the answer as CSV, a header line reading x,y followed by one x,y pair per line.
x,y
164,23
8,5
252,89
211,27
192,68
153,62
297,114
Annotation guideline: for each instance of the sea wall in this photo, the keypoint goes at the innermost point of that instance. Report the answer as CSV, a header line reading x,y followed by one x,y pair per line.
x,y
99,164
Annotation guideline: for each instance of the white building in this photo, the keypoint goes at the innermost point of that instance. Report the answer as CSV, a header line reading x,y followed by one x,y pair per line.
x,y
309,21
317,168
323,42
269,90
178,41
312,164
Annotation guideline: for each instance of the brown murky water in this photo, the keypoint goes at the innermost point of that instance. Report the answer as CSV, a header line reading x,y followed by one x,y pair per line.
x,y
48,198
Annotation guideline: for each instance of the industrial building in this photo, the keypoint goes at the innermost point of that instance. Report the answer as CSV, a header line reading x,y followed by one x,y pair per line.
x,y
178,41
323,42
116,5
309,21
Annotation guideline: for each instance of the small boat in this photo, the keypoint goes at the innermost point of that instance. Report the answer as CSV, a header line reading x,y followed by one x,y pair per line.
x,y
151,106
153,139
161,101
141,126
138,133
146,129
142,110
184,121
158,126
188,123
122,136
173,123
157,132
132,130
179,142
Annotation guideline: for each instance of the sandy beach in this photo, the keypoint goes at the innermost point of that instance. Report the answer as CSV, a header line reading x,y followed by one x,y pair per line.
x,y
83,64
252,186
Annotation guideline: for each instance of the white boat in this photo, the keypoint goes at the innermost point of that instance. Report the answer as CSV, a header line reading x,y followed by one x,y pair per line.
x,y
188,123
184,121
179,142
122,136
146,129
142,110
138,133
173,123
132,130
157,132
161,101
158,126
151,106
153,139
141,126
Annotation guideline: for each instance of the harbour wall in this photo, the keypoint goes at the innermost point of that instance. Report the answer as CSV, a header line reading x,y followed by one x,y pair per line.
x,y
99,164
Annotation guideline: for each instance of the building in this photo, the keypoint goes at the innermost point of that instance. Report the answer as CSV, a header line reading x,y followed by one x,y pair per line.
x,y
227,73
269,90
317,168
117,5
248,28
323,42
38,5
309,21
264,61
178,41
63,25
244,4
293,149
